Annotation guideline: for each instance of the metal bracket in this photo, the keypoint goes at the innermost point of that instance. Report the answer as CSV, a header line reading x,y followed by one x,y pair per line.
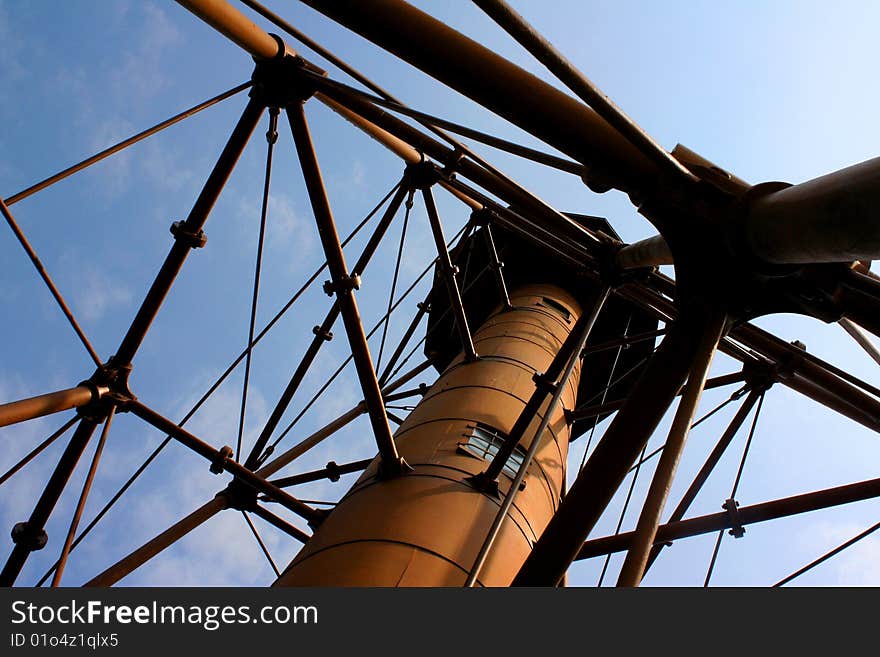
x,y
543,383
223,455
732,507
321,333
342,285
423,175
30,538
193,240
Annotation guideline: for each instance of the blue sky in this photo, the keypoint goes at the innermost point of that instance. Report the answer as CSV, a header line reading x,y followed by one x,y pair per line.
x,y
768,90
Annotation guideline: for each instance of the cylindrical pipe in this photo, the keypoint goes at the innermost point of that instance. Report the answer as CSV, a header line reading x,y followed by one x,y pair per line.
x,y
230,22
425,527
53,402
648,252
497,84
581,335
859,336
832,218
649,518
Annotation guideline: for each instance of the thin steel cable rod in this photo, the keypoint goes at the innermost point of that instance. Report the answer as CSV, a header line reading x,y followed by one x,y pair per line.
x,y
708,467
449,277
421,311
328,430
38,450
271,447
604,396
271,138
456,145
119,493
542,50
221,459
840,548
731,503
125,143
189,233
322,334
430,121
84,496
693,426
280,523
560,379
429,332
409,206
41,270
262,545
632,487
31,535
712,326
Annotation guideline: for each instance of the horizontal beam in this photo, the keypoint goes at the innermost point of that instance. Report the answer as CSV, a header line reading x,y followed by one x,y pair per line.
x,y
747,515
832,218
53,402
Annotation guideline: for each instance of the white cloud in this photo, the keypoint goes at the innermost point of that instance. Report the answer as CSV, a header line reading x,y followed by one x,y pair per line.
x,y
857,565
142,63
96,292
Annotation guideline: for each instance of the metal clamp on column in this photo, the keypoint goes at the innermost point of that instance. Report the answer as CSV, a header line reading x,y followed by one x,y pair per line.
x,y
194,240
321,333
342,285
732,507
219,461
29,537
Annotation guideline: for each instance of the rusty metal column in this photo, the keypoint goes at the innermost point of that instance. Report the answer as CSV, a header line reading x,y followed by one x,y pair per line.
x,y
425,527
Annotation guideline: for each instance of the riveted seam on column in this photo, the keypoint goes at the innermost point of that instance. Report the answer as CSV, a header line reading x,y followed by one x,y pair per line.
x,y
526,367
373,481
378,540
538,415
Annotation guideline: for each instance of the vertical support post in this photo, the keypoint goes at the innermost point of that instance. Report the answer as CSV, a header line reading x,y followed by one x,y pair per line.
x,y
448,271
343,285
31,535
649,519
606,469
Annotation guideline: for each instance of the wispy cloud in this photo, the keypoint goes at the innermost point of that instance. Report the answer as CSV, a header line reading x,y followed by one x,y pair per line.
x,y
858,565
96,292
143,62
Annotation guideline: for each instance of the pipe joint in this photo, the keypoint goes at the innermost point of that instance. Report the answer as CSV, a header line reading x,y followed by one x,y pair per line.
x,y
29,536
286,79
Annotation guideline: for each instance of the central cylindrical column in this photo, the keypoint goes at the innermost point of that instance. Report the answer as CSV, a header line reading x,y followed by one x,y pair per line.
x,y
425,527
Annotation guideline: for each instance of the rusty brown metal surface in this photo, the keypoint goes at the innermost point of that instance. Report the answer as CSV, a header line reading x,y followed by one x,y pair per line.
x,y
53,402
424,528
